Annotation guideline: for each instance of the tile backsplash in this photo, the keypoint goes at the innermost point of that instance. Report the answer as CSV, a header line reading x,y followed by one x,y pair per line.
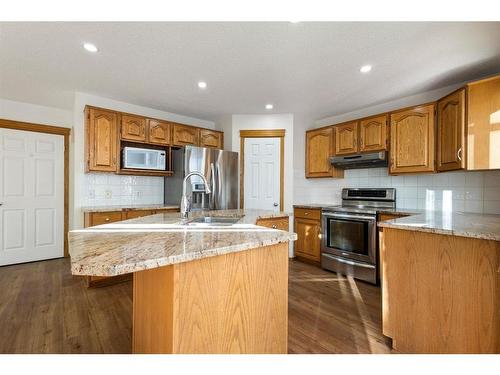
x,y
457,191
106,189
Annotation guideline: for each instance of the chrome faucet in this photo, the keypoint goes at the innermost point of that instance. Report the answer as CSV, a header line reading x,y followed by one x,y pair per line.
x,y
185,201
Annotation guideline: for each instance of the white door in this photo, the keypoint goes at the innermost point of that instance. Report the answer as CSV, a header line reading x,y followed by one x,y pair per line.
x,y
262,173
31,196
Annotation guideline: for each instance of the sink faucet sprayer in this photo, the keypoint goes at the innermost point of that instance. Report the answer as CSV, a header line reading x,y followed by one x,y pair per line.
x,y
185,201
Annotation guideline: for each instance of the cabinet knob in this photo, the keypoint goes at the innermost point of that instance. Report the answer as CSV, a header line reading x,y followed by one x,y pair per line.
x,y
274,226
107,219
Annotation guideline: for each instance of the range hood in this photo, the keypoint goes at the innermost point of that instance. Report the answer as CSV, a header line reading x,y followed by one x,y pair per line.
x,y
371,160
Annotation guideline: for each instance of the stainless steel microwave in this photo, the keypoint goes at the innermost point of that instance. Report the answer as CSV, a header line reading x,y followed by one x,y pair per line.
x,y
144,158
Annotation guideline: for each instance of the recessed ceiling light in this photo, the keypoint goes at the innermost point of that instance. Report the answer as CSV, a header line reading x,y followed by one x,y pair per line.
x,y
90,47
202,85
365,68
269,106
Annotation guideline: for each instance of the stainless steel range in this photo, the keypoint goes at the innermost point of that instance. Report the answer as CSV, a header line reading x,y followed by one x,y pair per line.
x,y
349,238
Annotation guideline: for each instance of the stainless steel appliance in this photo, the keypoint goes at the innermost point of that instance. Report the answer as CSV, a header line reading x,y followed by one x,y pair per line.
x,y
369,160
349,232
220,169
144,158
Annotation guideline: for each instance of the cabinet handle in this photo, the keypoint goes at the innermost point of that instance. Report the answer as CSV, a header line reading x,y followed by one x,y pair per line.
x,y
274,226
459,154
107,219
306,213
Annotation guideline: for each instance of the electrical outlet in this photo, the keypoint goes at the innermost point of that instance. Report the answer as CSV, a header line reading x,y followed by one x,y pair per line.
x,y
108,194
138,194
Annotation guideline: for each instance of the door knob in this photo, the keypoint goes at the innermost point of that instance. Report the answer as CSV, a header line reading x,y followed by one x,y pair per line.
x,y
275,204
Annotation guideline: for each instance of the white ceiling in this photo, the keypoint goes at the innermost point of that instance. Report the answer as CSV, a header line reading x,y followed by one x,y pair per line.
x,y
302,67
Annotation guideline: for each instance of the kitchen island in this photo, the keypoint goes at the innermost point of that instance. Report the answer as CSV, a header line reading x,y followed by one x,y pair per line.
x,y
216,286
441,282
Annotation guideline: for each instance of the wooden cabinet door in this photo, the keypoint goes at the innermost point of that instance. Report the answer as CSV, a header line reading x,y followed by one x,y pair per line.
x,y
210,138
132,214
412,140
373,134
184,135
308,241
133,128
451,132
483,128
319,148
102,140
158,132
346,138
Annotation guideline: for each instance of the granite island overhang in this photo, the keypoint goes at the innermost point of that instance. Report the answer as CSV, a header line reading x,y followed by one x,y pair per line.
x,y
197,289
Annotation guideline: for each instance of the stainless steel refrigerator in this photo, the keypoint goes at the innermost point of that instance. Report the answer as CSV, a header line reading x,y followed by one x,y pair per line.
x,y
220,169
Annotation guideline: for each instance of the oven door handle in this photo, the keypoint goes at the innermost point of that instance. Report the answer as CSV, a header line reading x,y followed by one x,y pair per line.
x,y
345,216
349,262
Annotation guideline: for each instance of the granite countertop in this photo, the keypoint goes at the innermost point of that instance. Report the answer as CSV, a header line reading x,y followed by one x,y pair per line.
x,y
462,224
128,207
160,240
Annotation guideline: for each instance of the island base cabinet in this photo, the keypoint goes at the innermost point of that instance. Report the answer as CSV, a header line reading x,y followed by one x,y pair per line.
x,y
232,303
441,293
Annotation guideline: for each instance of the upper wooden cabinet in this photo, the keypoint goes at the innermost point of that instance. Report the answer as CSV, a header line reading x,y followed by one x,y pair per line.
x,y
211,138
483,124
102,140
346,138
158,132
451,132
412,140
373,134
184,135
319,148
133,128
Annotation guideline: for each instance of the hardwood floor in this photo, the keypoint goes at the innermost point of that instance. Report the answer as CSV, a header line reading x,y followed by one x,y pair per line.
x,y
44,309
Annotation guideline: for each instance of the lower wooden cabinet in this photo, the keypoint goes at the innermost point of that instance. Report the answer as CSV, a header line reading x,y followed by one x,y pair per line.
x,y
307,225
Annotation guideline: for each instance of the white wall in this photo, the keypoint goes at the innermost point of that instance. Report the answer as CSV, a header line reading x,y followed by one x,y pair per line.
x,y
36,114
77,172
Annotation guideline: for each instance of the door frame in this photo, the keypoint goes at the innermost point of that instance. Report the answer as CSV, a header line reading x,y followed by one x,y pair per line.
x,y
49,129
271,133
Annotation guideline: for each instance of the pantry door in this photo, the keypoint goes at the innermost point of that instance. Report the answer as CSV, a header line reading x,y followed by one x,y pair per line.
x,y
31,196
262,173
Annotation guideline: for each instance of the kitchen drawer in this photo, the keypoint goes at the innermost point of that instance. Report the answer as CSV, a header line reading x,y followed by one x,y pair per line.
x,y
280,223
308,213
97,218
133,214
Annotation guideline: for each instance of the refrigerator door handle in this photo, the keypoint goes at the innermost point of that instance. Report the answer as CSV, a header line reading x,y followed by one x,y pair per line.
x,y
214,190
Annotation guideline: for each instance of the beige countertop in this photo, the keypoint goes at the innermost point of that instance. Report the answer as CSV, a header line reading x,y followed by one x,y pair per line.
x,y
88,209
160,240
462,224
